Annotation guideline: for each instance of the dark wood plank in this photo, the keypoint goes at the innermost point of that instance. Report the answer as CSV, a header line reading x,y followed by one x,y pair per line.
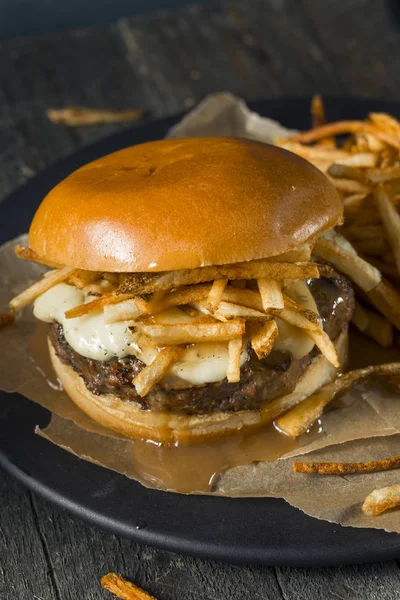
x,y
26,569
81,554
355,582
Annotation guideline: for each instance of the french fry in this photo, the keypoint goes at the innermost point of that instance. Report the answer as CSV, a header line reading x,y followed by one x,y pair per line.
x,y
184,295
227,310
339,240
96,305
81,278
297,318
360,317
358,270
216,293
263,338
128,310
382,175
302,416
381,499
198,315
297,420
361,159
115,278
195,311
248,298
190,333
299,254
310,322
321,164
124,589
374,143
317,111
341,171
360,142
328,142
325,344
49,273
99,287
234,355
350,186
391,221
386,123
386,299
318,118
337,468
155,371
76,116
6,318
373,325
315,154
138,283
284,404
341,127
196,297
41,286
31,256
388,157
271,293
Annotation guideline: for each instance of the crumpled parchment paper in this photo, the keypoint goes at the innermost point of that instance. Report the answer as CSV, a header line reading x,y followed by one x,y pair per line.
x,y
365,427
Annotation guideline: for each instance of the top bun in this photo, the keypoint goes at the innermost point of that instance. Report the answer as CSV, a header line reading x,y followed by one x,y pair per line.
x,y
184,203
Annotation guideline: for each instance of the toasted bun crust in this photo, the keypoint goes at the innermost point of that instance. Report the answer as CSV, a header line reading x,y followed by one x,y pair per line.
x,y
131,420
184,203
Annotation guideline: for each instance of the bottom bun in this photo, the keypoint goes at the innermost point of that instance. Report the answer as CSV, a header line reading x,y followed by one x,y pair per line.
x,y
129,419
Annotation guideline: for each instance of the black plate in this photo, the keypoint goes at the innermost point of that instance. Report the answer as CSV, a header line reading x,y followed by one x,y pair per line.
x,y
267,531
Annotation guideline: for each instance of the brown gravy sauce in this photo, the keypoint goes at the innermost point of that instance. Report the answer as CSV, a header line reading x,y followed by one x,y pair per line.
x,y
195,468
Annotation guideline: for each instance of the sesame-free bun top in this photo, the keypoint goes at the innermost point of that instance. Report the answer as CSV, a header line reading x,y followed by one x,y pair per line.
x,y
184,203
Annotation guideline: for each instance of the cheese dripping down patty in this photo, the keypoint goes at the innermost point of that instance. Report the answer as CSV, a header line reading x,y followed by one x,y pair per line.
x,y
201,363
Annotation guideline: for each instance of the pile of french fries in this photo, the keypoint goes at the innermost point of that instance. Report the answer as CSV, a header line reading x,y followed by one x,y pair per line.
x,y
365,169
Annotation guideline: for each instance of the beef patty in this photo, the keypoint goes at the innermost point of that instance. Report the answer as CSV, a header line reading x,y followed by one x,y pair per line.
x,y
260,380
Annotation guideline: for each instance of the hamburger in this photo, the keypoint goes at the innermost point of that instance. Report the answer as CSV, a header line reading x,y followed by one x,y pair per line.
x,y
183,302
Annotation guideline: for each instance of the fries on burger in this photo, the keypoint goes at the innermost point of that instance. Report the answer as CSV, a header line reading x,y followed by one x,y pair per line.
x,y
183,302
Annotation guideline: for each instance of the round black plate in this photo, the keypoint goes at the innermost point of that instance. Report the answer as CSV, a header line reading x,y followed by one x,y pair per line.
x,y
267,531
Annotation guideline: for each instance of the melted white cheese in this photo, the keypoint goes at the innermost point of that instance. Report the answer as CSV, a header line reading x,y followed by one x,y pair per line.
x,y
90,336
202,363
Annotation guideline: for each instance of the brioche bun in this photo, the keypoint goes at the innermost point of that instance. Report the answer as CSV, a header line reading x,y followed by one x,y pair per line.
x,y
184,203
129,419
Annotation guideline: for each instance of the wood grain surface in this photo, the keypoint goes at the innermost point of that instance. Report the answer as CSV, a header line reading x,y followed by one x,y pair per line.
x,y
166,63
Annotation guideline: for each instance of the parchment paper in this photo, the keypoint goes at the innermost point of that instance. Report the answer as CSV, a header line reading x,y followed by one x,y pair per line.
x,y
365,427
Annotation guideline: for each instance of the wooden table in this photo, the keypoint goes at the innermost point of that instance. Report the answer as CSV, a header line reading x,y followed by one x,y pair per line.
x,y
166,63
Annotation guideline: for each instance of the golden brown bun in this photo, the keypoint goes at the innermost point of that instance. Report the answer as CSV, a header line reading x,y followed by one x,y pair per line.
x,y
184,203
129,419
